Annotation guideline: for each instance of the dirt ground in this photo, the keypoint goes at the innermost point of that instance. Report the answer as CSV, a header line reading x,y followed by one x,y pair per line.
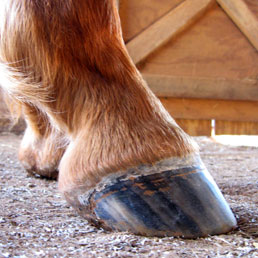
x,y
35,221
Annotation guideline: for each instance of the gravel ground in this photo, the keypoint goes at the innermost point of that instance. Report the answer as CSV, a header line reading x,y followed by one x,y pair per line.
x,y
35,221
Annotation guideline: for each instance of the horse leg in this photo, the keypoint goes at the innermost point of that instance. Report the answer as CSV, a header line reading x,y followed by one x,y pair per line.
x,y
128,166
42,146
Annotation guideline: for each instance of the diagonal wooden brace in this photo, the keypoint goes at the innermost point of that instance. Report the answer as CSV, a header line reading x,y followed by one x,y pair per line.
x,y
245,20
165,28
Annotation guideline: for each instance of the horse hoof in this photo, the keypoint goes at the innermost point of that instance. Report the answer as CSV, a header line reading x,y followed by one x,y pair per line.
x,y
163,200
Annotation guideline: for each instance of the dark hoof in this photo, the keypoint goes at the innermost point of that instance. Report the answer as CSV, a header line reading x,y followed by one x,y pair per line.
x,y
182,202
44,174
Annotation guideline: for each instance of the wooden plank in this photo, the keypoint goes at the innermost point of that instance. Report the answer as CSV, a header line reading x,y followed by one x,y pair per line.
x,y
136,16
245,111
207,88
236,128
195,127
241,15
253,6
211,48
165,28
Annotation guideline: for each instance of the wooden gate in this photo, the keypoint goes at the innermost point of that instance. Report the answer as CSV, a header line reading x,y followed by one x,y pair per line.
x,y
200,57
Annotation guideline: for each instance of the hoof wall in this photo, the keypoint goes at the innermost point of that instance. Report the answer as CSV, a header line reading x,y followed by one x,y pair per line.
x,y
183,202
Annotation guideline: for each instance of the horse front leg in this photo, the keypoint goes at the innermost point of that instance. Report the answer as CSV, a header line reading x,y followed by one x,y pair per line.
x,y
128,166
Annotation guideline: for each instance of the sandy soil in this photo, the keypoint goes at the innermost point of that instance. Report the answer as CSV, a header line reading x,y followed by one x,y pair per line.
x,y
36,222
